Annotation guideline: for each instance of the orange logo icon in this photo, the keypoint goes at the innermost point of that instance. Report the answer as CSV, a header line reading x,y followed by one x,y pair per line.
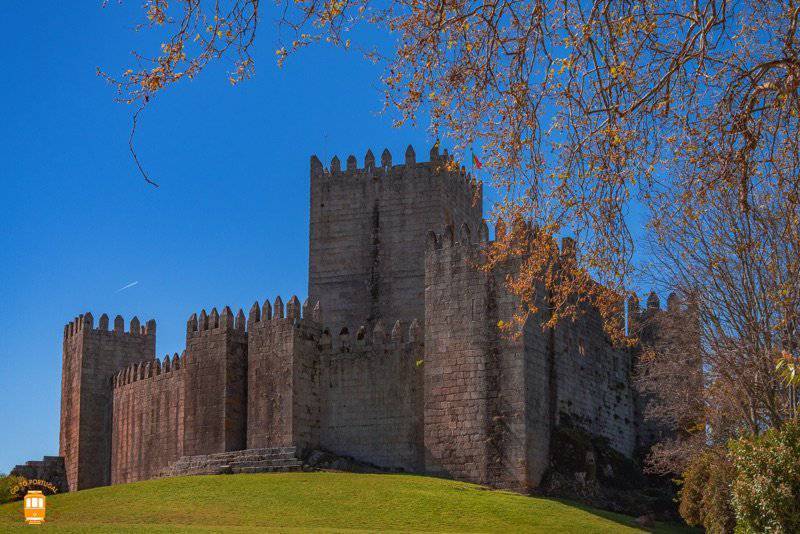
x,y
34,507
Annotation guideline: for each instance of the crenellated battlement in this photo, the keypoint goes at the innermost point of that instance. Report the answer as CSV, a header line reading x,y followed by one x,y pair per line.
x,y
149,369
365,337
643,322
465,236
472,240
260,316
438,164
84,323
214,321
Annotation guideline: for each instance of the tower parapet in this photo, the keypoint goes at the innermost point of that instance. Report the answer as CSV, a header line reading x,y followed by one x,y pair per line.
x,y
282,375
368,227
91,356
215,383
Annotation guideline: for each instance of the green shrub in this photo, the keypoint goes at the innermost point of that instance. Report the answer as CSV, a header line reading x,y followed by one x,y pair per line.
x,y
7,484
705,495
766,493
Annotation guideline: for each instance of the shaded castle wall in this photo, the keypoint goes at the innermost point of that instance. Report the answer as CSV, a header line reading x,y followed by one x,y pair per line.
x,y
367,233
283,377
486,398
215,383
371,390
147,429
593,385
90,358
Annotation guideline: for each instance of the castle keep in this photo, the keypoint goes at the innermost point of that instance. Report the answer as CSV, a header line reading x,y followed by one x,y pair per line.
x,y
394,360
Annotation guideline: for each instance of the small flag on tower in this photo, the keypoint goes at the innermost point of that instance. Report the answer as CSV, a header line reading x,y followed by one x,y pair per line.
x,y
475,161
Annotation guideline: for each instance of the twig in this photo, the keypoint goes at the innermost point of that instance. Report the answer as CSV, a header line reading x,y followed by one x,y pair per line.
x,y
133,150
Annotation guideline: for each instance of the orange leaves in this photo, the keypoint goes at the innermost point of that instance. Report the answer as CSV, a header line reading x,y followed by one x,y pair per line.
x,y
156,11
201,32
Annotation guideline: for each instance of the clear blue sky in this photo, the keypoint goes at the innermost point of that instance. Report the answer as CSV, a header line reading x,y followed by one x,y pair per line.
x,y
228,225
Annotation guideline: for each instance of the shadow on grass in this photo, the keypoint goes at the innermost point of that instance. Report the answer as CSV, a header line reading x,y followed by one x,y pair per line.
x,y
628,521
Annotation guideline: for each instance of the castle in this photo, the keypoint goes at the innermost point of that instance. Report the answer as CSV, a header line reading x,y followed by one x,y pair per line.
x,y
395,359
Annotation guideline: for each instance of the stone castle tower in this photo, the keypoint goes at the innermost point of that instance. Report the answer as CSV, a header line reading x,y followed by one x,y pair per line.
x,y
394,360
367,232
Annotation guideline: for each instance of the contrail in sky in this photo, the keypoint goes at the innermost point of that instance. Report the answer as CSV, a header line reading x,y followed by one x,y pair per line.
x,y
123,288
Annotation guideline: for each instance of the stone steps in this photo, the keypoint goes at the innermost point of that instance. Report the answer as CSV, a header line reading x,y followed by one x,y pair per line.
x,y
283,469
269,460
220,461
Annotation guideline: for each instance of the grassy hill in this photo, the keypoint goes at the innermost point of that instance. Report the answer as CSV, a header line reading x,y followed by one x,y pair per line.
x,y
316,502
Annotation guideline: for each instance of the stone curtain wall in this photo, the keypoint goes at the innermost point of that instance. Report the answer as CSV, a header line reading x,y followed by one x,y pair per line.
x,y
90,358
350,395
215,383
593,382
358,395
367,232
371,390
147,430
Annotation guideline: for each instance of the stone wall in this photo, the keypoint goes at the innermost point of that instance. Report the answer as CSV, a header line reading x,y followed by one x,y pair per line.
x,y
457,366
492,397
147,429
371,395
215,383
367,232
90,358
593,385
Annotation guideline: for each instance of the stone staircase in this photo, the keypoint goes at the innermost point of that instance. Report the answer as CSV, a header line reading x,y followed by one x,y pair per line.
x,y
270,460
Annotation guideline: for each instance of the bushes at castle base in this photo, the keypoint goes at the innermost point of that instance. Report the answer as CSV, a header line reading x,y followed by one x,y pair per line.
x,y
8,485
766,493
584,467
705,495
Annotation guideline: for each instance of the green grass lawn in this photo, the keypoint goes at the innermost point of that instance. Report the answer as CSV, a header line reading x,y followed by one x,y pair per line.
x,y
316,502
